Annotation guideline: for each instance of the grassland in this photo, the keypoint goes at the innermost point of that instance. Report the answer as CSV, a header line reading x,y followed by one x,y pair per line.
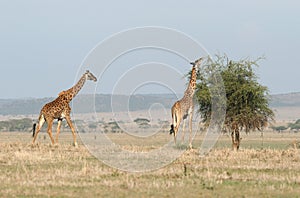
x,y
268,167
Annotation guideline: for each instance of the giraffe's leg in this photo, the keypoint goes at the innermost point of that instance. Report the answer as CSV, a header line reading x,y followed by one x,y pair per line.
x,y
58,130
177,127
183,127
175,138
40,124
190,127
50,123
72,128
177,117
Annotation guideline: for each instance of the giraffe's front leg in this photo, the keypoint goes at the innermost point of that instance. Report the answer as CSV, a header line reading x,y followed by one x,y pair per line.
x,y
72,128
183,132
190,127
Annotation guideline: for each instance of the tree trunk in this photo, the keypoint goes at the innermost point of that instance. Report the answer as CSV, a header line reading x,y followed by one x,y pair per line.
x,y
236,140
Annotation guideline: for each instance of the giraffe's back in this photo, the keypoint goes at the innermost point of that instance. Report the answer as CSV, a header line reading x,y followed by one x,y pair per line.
x,y
58,108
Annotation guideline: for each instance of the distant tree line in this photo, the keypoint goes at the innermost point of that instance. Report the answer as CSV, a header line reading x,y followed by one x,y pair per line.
x,y
24,124
290,126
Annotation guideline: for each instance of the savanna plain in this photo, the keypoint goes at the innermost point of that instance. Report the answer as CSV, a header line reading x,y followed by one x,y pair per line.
x,y
265,166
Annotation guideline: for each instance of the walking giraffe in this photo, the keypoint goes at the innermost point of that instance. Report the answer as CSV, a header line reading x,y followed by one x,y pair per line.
x,y
60,109
185,106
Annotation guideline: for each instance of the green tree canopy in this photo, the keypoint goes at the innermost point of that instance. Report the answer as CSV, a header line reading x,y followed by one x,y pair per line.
x,y
247,104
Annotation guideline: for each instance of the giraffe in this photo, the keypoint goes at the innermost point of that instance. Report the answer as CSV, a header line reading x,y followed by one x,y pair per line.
x,y
60,109
185,106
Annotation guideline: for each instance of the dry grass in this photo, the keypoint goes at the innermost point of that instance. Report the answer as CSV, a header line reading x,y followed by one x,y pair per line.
x,y
65,171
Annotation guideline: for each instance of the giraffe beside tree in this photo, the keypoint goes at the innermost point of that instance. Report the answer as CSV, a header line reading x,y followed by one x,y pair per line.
x,y
60,109
184,107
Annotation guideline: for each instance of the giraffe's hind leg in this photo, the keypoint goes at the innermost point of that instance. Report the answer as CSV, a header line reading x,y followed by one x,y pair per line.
x,y
50,123
177,127
58,130
177,117
40,124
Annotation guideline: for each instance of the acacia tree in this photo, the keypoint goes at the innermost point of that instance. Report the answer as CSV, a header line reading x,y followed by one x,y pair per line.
x,y
247,104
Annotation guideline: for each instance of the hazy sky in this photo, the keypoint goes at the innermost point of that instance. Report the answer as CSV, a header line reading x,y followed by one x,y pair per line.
x,y
43,43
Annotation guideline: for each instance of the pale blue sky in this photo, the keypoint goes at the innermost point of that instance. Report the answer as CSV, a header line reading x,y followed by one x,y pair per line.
x,y
43,43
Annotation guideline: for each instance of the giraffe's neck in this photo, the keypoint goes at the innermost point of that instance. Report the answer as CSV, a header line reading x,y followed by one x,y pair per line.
x,y
73,91
189,92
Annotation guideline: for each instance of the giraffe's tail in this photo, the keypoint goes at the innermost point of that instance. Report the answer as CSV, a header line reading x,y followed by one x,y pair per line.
x,y
34,126
172,129
174,121
33,129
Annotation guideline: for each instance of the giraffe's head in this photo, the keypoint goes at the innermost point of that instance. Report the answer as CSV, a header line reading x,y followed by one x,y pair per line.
x,y
197,63
90,76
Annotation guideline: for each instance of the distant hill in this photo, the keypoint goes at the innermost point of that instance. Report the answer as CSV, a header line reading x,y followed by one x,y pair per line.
x,y
22,106
105,102
285,100
89,103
